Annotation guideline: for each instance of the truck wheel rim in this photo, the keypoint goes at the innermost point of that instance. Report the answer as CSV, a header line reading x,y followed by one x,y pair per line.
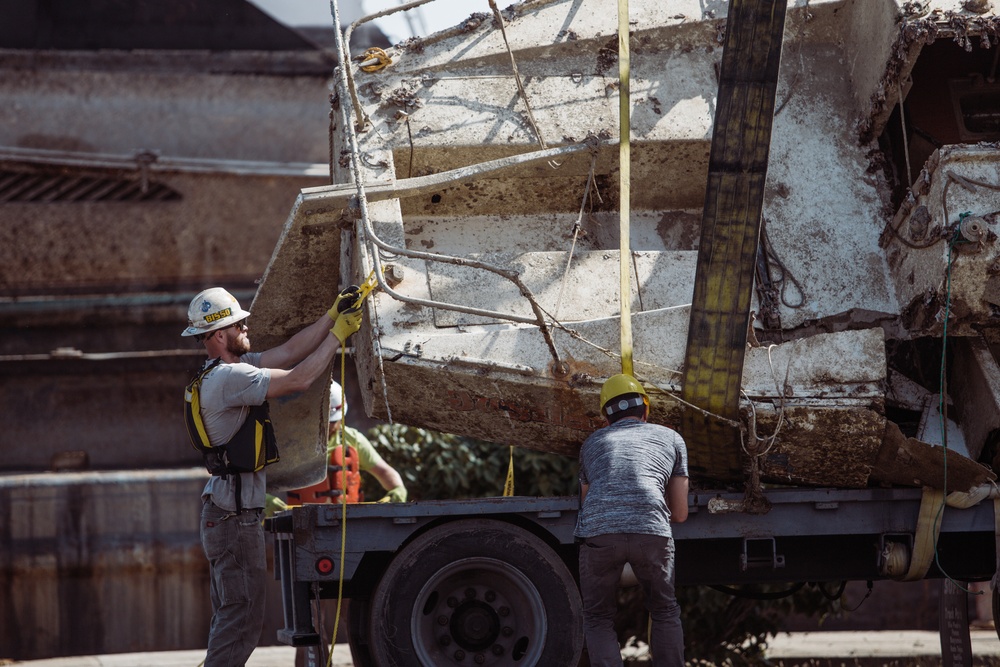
x,y
478,611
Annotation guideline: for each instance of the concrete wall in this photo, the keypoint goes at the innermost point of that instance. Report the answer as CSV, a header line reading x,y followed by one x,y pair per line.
x,y
111,562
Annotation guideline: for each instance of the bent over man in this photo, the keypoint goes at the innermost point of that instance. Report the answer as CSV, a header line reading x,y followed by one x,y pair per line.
x,y
235,385
633,483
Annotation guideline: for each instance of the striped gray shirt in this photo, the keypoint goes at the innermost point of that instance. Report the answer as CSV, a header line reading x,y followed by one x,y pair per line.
x,y
627,466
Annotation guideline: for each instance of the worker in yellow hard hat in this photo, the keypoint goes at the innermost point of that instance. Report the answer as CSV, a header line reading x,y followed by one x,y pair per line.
x,y
633,484
227,417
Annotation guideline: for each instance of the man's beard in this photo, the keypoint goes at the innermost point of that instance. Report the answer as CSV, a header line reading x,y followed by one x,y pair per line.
x,y
238,345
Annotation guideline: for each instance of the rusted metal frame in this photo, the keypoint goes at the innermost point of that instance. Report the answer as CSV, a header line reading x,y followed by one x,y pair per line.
x,y
347,83
716,347
323,198
345,56
105,161
429,183
374,240
62,354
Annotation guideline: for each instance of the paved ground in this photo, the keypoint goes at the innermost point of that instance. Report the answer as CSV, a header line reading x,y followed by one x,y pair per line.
x,y
801,648
265,656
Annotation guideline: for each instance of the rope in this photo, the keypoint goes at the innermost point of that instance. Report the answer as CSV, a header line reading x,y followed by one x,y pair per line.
x,y
925,539
625,178
943,411
952,177
781,410
377,350
786,275
344,48
343,514
932,502
906,143
754,500
576,233
667,392
344,81
517,79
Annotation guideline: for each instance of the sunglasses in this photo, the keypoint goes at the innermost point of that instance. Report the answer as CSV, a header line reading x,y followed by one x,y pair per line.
x,y
240,326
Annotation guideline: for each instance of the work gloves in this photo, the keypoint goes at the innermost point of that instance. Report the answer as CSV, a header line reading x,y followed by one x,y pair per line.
x,y
346,313
396,495
273,505
346,324
346,300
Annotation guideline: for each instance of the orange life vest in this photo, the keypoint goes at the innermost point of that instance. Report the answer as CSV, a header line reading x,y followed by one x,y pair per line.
x,y
335,483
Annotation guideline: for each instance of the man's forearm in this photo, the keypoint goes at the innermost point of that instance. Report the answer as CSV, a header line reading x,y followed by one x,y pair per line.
x,y
304,373
299,346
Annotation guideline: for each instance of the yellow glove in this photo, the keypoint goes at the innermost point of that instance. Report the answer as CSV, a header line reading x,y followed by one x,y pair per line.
x,y
273,505
346,324
396,495
346,300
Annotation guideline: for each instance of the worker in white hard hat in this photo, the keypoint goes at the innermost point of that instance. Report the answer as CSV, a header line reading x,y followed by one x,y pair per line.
x,y
633,484
343,483
232,391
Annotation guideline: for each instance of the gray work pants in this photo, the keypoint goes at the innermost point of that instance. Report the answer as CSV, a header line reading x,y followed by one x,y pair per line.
x,y
602,559
234,546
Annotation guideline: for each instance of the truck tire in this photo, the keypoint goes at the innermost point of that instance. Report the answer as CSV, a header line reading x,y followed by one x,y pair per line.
x,y
358,636
476,592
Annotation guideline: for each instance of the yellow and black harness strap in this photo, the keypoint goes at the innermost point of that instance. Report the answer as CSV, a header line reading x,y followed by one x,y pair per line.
x,y
720,309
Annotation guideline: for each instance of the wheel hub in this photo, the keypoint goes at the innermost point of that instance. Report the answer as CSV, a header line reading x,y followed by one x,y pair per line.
x,y
475,625
478,611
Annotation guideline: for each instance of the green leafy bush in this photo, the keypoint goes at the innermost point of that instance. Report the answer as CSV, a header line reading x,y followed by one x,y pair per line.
x,y
441,466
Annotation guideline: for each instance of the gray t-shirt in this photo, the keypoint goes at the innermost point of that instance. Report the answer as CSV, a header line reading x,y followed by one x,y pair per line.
x,y
627,466
226,394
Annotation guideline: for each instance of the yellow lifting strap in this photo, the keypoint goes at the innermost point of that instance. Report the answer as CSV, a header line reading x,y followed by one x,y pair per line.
x,y
343,505
928,529
730,230
625,177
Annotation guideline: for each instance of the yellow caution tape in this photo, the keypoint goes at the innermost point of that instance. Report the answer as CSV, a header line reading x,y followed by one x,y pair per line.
x,y
508,487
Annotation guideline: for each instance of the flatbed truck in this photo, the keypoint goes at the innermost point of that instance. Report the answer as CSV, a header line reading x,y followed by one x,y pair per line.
x,y
494,581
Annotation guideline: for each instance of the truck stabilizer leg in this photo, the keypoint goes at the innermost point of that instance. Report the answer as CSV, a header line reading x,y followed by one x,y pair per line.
x,y
298,630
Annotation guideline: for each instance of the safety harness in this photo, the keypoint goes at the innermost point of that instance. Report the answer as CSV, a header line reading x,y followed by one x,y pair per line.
x,y
341,484
251,449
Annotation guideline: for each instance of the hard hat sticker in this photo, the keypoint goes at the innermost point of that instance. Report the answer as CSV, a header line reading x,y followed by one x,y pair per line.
x,y
214,317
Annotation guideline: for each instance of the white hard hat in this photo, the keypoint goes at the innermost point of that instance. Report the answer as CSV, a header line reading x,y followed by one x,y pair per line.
x,y
338,402
213,309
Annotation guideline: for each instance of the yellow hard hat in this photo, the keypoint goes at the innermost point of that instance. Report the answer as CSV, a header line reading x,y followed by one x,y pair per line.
x,y
620,386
